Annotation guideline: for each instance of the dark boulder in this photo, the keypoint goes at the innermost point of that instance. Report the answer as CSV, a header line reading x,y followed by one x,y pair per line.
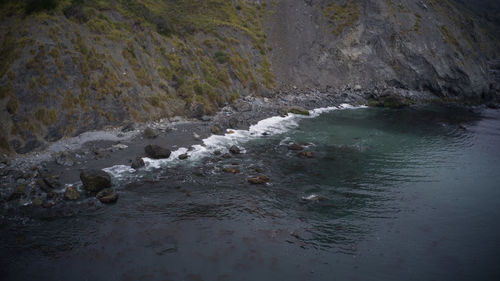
x,y
95,180
183,156
107,196
137,163
234,149
157,152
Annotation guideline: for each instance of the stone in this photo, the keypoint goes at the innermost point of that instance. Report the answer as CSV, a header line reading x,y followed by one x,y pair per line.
x,y
295,146
206,118
65,158
216,130
157,152
107,196
49,179
217,152
261,179
358,88
95,180
306,154
183,156
150,133
234,149
71,193
231,170
137,163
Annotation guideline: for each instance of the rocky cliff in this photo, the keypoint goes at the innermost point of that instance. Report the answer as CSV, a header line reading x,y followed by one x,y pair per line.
x,y
71,66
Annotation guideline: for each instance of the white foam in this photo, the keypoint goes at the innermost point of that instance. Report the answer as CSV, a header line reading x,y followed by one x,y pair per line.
x,y
270,126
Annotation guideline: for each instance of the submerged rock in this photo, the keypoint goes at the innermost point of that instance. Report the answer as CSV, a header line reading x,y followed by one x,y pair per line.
x,y
261,179
234,149
157,152
95,180
107,196
137,163
150,133
71,193
312,198
306,154
231,170
295,146
183,156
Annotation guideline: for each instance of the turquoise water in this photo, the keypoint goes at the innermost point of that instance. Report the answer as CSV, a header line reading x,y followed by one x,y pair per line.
x,y
409,194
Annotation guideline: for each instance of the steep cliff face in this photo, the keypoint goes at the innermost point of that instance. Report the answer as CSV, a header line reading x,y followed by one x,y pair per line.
x,y
71,66
435,46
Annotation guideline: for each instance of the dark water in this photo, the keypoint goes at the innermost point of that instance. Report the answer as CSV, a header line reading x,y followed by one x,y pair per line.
x,y
408,194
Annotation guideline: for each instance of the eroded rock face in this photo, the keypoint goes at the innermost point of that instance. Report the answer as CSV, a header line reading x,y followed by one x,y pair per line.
x,y
95,180
157,152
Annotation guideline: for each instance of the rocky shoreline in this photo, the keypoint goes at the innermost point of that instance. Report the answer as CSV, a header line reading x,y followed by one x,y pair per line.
x,y
49,182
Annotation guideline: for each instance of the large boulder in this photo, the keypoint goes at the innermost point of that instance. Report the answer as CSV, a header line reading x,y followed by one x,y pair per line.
x,y
95,180
234,149
156,152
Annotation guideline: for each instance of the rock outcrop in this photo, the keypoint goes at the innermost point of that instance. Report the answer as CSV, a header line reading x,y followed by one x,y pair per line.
x,y
95,180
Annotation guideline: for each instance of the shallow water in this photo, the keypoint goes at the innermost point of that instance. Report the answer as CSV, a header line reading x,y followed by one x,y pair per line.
x,y
408,194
